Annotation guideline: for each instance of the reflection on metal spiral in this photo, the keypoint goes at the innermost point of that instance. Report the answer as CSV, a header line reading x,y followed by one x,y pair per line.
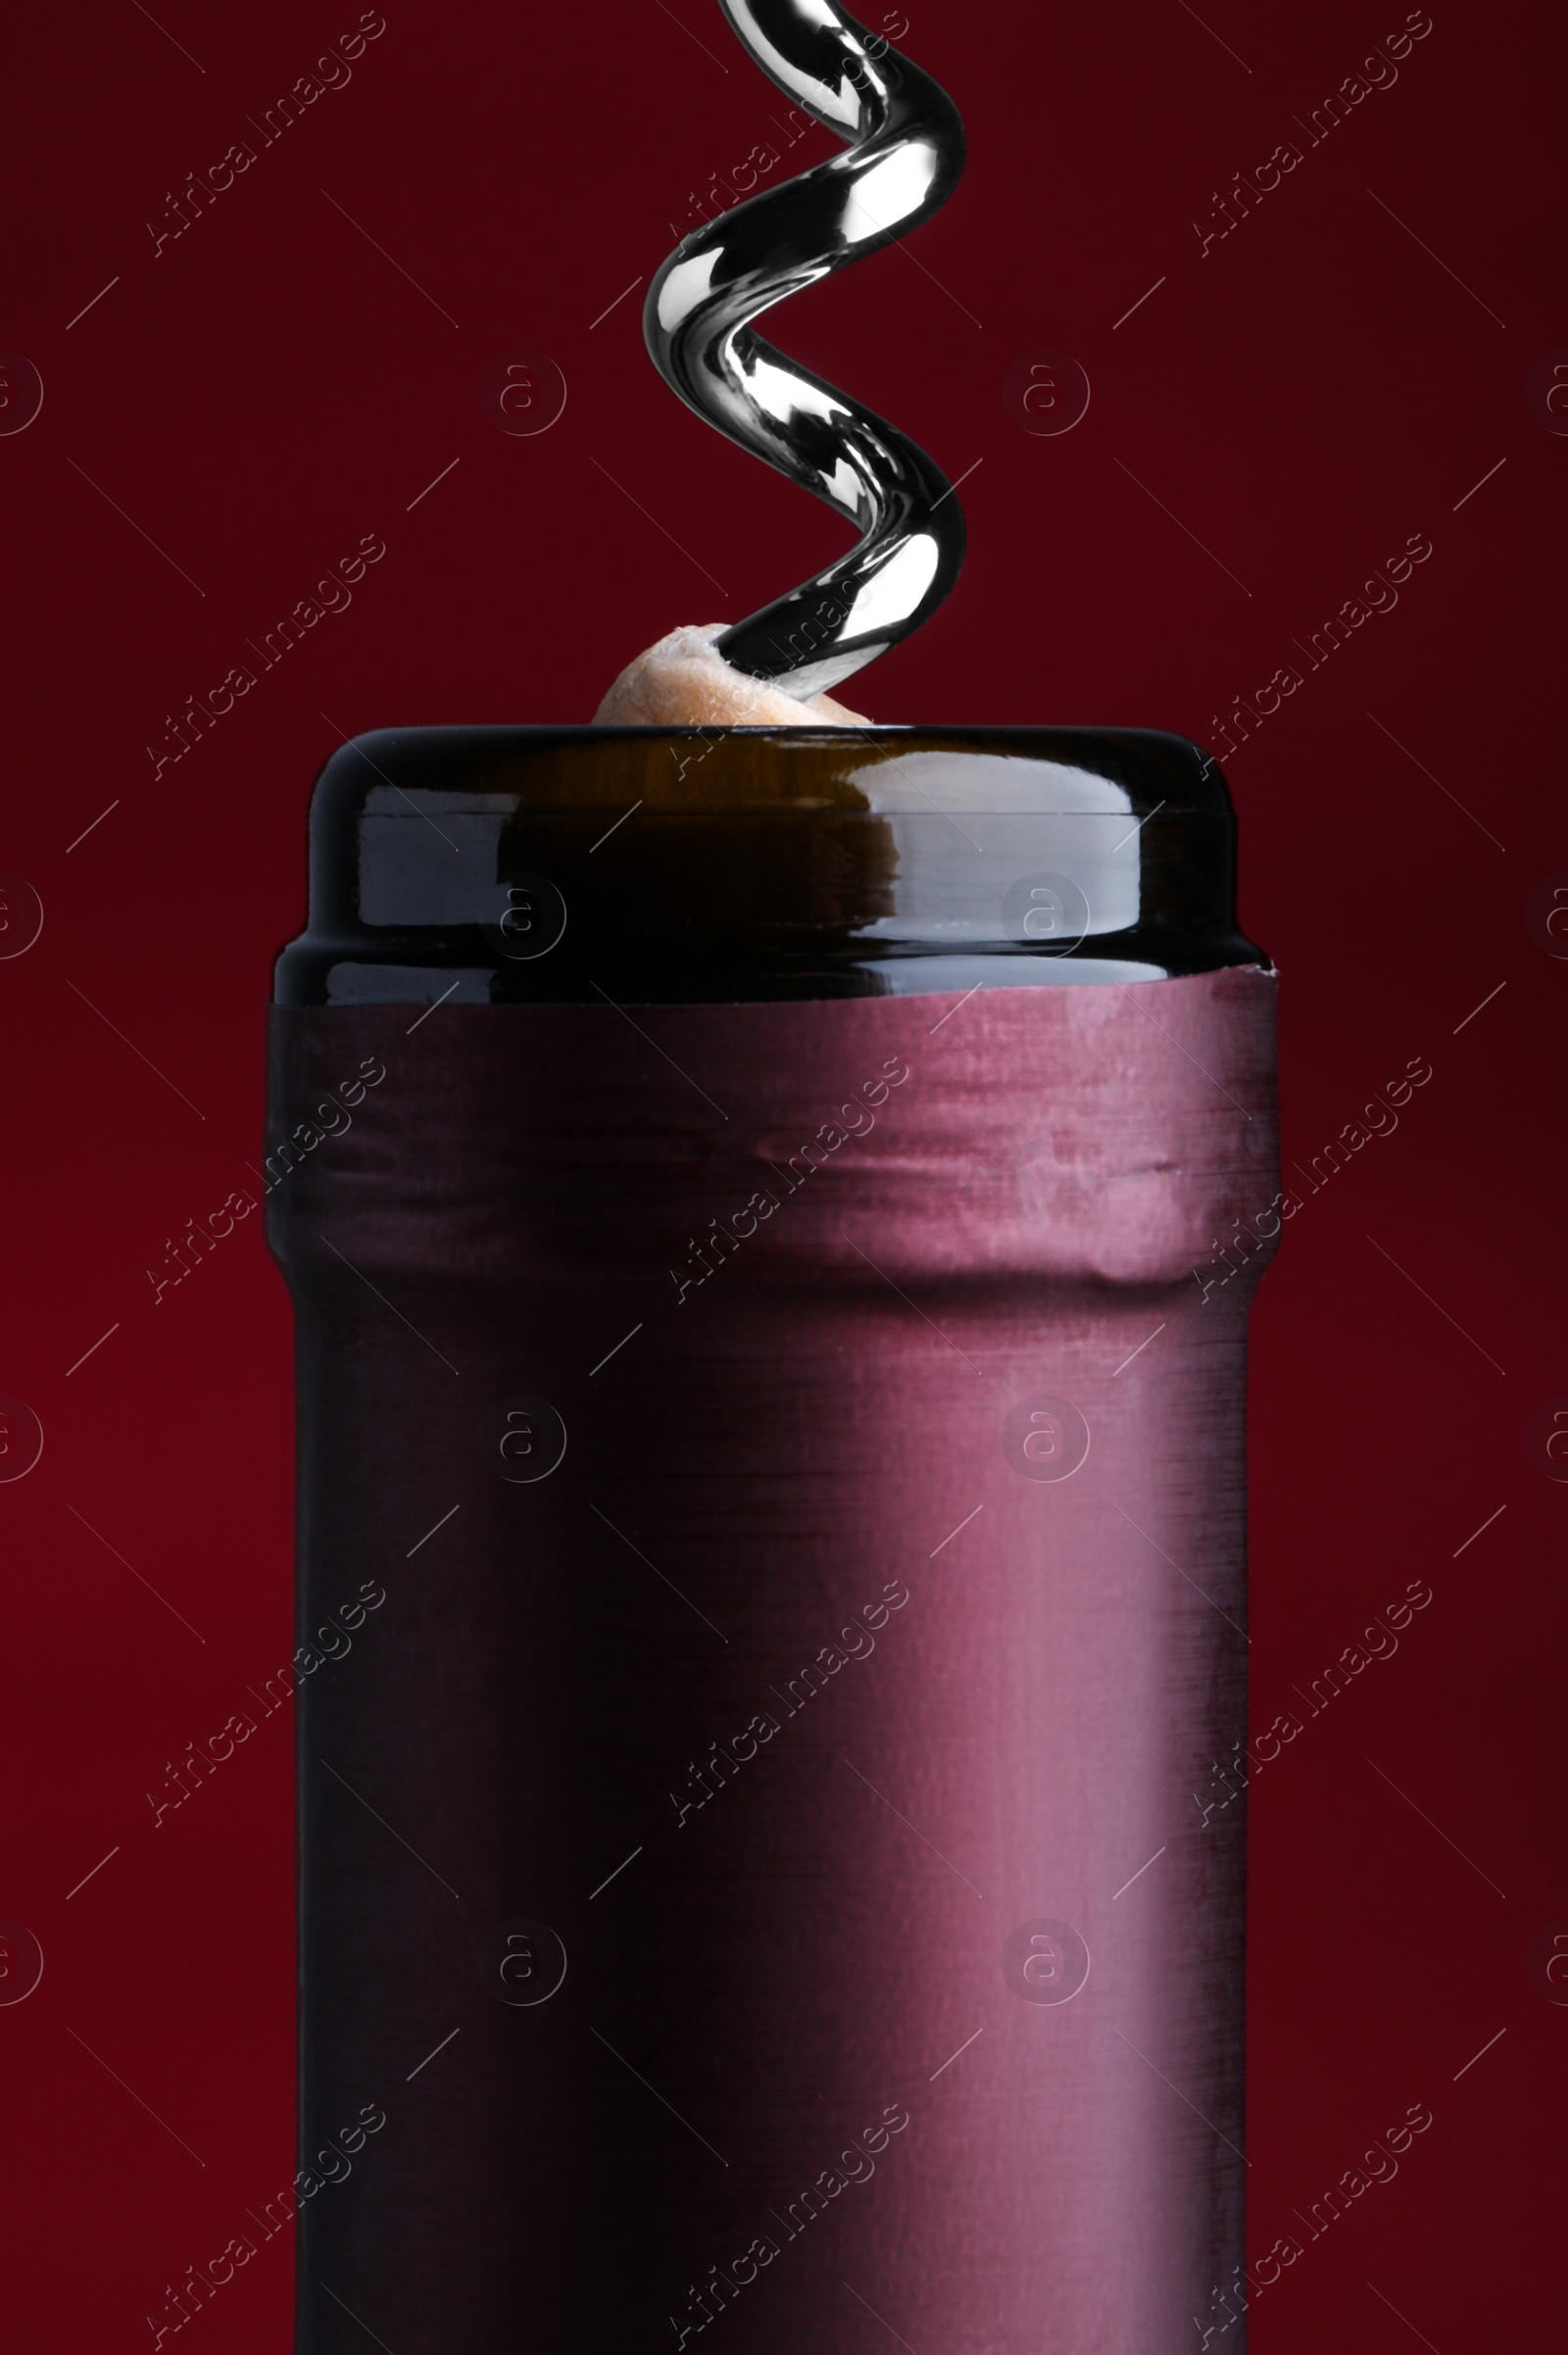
x,y
904,161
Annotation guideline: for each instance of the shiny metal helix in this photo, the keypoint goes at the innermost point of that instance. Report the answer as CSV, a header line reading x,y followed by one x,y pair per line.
x,y
904,158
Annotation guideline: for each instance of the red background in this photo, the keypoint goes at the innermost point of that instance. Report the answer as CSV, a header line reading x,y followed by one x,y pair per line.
x,y
1304,397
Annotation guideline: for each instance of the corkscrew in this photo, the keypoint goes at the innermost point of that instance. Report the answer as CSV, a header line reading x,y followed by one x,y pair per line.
x,y
903,160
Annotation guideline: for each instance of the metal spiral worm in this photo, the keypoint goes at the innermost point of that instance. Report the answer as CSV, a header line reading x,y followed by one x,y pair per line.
x,y
904,158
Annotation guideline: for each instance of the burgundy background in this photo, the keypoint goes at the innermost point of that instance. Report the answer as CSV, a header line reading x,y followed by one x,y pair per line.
x,y
1304,397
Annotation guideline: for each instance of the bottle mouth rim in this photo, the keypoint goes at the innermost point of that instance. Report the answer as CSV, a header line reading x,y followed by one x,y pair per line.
x,y
729,771
693,864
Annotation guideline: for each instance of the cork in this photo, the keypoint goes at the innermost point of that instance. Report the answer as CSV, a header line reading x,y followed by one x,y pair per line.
x,y
682,682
